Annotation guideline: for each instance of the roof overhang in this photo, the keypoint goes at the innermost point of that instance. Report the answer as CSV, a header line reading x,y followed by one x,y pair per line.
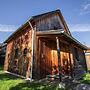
x,y
33,19
60,33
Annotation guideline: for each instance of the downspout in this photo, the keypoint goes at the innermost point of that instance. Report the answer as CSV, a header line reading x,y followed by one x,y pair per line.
x,y
32,58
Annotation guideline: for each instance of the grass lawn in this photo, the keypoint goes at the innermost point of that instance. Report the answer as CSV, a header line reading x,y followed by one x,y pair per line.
x,y
9,82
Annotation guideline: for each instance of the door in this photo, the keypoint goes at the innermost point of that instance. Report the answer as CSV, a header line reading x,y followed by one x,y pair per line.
x,y
45,60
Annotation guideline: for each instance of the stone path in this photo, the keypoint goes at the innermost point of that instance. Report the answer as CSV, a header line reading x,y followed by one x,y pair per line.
x,y
75,85
82,87
68,83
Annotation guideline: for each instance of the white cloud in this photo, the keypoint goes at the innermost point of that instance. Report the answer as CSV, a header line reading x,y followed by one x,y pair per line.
x,y
85,7
7,28
79,27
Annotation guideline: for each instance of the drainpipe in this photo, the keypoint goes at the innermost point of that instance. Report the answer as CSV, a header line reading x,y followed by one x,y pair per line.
x,y
32,58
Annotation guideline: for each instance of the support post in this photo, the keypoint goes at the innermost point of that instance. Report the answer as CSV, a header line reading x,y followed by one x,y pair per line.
x,y
32,58
74,60
59,61
70,50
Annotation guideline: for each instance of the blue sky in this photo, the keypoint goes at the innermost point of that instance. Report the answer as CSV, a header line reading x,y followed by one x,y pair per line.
x,y
13,13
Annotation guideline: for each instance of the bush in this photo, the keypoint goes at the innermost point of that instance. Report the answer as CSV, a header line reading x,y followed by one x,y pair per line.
x,y
86,78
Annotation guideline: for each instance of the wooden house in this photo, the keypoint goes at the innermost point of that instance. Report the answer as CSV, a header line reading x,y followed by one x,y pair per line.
x,y
2,53
87,54
43,46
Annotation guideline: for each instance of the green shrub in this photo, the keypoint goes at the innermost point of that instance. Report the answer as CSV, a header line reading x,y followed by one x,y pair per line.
x,y
86,78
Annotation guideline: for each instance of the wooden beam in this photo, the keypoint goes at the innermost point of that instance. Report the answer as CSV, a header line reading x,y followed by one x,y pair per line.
x,y
59,60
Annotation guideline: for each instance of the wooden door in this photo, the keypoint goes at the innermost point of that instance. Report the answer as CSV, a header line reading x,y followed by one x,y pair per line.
x,y
45,60
54,62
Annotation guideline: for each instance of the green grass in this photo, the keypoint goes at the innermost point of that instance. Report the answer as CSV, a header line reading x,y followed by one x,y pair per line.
x,y
1,68
86,78
9,82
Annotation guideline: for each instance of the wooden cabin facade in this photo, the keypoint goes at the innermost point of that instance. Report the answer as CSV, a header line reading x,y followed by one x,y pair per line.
x,y
43,46
87,54
2,53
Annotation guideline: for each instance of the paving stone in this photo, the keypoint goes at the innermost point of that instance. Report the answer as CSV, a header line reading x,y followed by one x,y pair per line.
x,y
83,87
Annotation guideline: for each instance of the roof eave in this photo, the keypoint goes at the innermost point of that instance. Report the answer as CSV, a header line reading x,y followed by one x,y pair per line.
x,y
12,35
54,32
76,41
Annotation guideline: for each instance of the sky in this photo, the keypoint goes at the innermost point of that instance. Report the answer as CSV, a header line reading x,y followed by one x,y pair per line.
x,y
14,13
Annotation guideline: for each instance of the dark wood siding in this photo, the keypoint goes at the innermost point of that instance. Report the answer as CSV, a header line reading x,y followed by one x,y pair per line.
x,y
16,61
49,23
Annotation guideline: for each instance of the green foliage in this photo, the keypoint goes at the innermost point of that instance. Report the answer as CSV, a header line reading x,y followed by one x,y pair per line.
x,y
86,78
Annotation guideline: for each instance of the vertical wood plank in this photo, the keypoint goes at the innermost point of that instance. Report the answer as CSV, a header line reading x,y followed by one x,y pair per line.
x,y
39,57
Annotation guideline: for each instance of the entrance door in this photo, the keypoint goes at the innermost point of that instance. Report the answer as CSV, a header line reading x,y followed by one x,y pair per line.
x,y
54,62
48,59
45,60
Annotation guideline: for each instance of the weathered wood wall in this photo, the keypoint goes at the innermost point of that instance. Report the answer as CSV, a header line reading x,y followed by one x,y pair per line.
x,y
8,54
50,22
80,57
87,55
88,62
47,61
19,64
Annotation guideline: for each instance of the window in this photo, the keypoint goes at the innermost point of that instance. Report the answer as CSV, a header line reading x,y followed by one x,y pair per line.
x,y
55,28
8,55
16,52
25,51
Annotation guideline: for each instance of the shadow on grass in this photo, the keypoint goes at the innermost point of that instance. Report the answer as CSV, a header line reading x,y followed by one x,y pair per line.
x,y
5,76
1,67
35,86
